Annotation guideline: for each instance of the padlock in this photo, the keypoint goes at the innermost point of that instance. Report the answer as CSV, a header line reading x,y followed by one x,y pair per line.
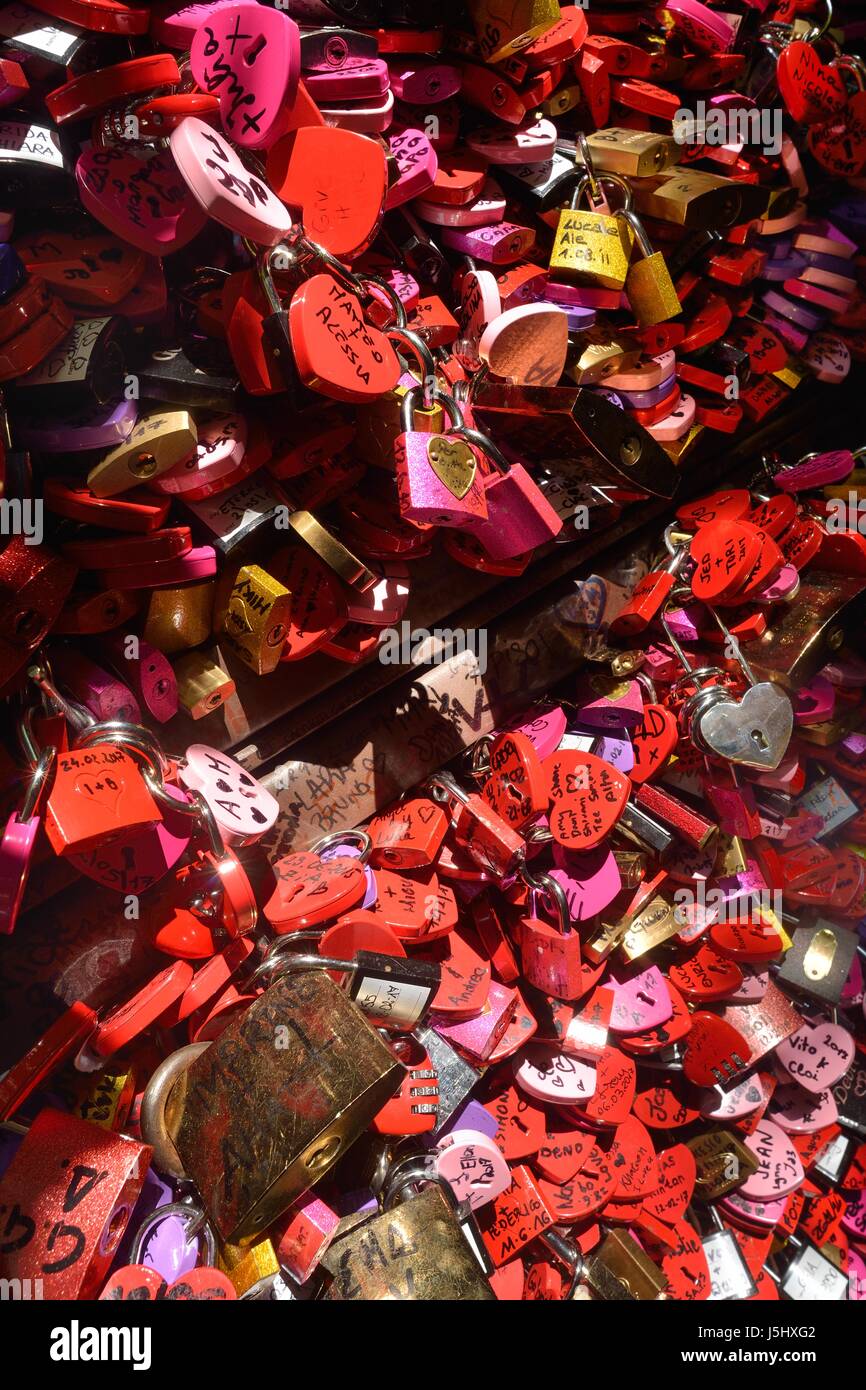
x,y
593,248
618,1270
202,684
632,153
323,1065
158,442
414,1250
648,286
437,476
18,842
251,614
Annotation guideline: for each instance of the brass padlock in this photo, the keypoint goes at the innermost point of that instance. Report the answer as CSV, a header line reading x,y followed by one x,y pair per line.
x,y
591,247
158,442
413,1251
251,615
202,684
271,1105
723,1163
505,29
618,1271
636,154
180,618
648,285
690,198
379,424
809,630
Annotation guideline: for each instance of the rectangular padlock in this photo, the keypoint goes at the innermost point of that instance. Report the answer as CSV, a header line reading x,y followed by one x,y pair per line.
x,y
251,616
283,1092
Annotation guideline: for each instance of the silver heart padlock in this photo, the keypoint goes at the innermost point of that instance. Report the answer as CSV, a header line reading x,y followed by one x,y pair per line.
x,y
754,731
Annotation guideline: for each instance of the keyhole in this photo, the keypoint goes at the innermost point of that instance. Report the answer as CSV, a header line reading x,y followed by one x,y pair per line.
x,y
252,53
758,739
646,998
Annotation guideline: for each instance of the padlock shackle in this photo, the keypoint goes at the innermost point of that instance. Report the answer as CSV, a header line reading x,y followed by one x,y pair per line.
x,y
76,715
618,182
410,404
154,1131
199,1226
403,337
357,837
640,236
37,782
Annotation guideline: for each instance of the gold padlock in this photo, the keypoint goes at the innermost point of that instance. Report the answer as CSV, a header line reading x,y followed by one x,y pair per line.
x,y
202,685
654,923
180,618
590,247
157,443
251,1268
276,1099
648,285
723,1163
635,154
505,29
336,556
690,198
594,353
251,614
413,1252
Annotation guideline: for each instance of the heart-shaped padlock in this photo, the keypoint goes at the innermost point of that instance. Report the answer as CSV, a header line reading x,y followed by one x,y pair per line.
x,y
223,187
250,56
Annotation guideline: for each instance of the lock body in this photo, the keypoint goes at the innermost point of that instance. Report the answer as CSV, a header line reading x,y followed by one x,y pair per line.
x,y
416,1252
276,1099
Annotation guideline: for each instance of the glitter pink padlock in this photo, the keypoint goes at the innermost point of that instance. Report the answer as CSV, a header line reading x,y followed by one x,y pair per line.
x,y
519,517
438,479
16,847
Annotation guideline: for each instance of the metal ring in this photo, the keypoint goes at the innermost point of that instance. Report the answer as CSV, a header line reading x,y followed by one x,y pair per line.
x,y
37,782
199,1226
490,450
127,736
407,337
582,144
157,1092
344,837
616,179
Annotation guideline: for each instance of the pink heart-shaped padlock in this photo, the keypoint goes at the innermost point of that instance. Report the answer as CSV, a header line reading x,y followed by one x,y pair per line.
x,y
548,1075
250,58
817,1055
641,1001
742,1099
473,1165
779,1168
143,201
223,186
753,987
544,731
242,808
591,880
797,1112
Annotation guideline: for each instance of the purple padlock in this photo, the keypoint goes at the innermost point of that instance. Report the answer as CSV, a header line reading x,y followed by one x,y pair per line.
x,y
100,428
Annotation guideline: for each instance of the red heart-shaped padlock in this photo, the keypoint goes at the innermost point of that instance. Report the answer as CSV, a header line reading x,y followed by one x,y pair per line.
x,y
336,180
811,90
140,1283
337,351
517,785
677,1172
840,144
715,1051
614,1088
653,741
706,975
587,796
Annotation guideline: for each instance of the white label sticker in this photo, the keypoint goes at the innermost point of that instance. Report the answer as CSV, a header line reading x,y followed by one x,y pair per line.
x,y
70,359
33,144
31,31
392,999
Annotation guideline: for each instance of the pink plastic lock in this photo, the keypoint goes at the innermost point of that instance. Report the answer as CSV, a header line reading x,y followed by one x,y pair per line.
x,y
223,186
552,1076
248,56
473,1165
816,1056
143,201
16,847
641,1001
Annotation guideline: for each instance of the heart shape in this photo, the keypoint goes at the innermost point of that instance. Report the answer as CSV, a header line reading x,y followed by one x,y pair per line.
x,y
653,741
337,180
587,1192
715,1051
677,1171
797,1112
706,975
337,352
755,731
614,1088
520,1124
473,1165
587,795
633,1158
811,90
453,462
310,890
817,1055
250,57
553,1077
741,1100
641,1001
140,1283
517,785
591,881
527,345
664,1107
779,1168
417,162
223,186
563,1152
840,144
674,1029
145,202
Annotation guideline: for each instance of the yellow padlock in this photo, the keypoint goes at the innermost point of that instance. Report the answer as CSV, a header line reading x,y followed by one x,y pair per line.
x,y
251,615
592,247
